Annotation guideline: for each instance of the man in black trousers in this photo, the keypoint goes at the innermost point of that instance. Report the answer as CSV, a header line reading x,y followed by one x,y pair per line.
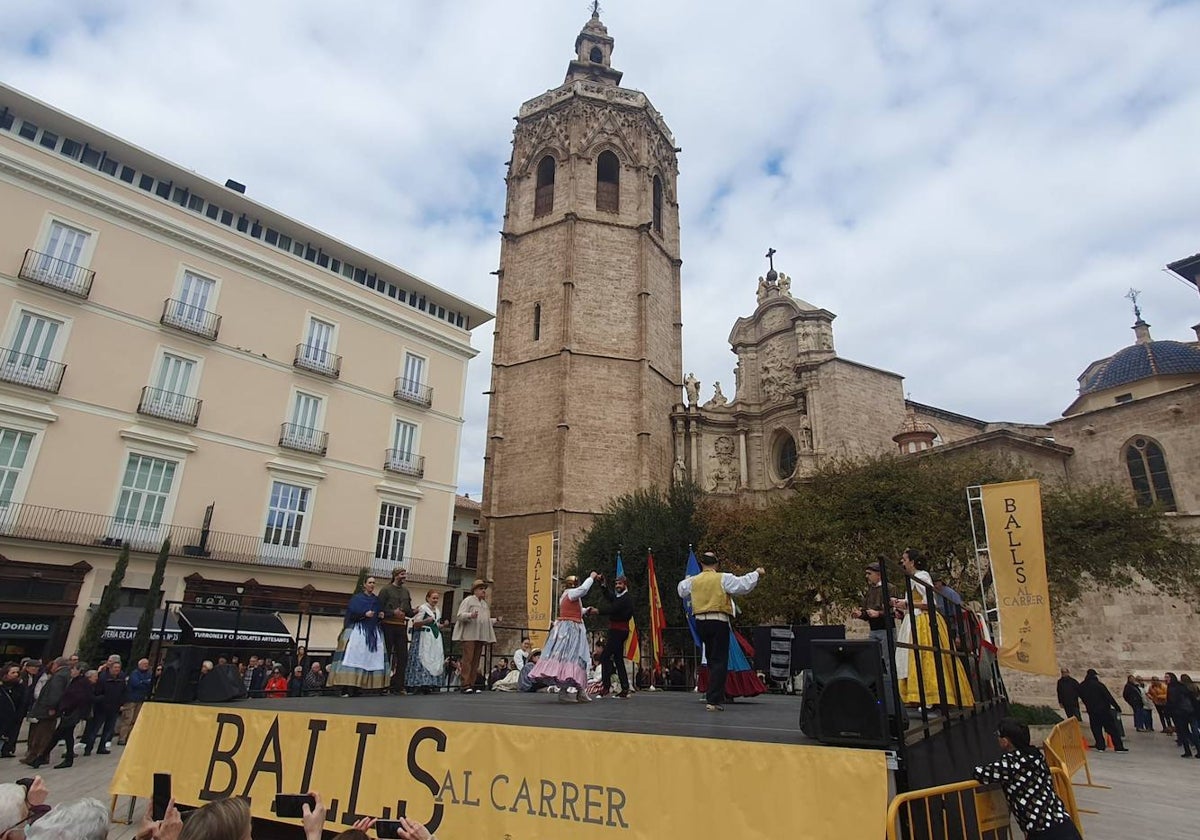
x,y
397,610
619,609
1102,710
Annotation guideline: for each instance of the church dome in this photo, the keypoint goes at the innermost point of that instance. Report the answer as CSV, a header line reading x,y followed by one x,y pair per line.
x,y
1142,361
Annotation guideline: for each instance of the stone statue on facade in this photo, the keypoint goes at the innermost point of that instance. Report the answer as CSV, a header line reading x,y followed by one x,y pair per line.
x,y
691,385
718,399
679,472
806,435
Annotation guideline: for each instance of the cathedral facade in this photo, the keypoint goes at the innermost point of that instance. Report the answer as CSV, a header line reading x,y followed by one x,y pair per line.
x,y
589,400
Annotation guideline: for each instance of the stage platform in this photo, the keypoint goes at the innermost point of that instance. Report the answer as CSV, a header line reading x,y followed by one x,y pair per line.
x,y
767,719
520,766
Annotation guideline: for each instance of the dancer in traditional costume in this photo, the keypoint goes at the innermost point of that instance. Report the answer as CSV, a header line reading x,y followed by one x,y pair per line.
x,y
360,661
741,679
426,668
710,593
909,660
565,658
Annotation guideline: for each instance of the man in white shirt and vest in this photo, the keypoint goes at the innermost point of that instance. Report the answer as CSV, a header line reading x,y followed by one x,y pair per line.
x,y
712,608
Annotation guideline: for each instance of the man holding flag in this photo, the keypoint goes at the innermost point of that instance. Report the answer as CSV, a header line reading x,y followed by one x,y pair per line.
x,y
712,607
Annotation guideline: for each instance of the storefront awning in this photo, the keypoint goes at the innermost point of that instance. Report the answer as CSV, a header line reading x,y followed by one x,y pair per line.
x,y
123,623
202,626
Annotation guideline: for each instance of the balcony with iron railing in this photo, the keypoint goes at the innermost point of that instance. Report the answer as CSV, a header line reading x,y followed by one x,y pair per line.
x,y
70,527
316,360
54,273
31,371
190,319
303,439
412,391
168,405
404,462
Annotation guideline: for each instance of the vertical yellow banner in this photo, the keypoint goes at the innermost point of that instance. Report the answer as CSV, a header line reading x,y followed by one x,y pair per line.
x,y
539,589
1012,514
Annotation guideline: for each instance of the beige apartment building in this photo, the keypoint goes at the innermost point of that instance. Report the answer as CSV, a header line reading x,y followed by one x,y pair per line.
x,y
178,360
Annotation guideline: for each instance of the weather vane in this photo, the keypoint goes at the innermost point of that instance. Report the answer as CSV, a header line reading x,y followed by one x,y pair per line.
x,y
595,4
1133,295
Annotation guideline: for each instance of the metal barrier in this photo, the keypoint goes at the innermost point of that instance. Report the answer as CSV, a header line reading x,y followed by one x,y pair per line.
x,y
966,810
1066,743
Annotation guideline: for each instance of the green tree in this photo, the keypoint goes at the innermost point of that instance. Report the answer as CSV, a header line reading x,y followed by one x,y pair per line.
x,y
1096,535
815,542
662,521
89,644
141,639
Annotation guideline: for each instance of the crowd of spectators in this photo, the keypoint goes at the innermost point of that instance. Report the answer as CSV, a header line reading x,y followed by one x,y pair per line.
x,y
1176,700
64,698
27,814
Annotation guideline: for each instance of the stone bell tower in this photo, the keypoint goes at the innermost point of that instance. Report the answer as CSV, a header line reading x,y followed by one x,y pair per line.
x,y
586,361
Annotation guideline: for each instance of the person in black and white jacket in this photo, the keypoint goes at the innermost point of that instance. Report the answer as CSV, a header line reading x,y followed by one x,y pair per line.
x,y
1028,786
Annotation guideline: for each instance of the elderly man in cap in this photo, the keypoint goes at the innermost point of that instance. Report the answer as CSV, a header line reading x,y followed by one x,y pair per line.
x,y
712,607
876,607
473,626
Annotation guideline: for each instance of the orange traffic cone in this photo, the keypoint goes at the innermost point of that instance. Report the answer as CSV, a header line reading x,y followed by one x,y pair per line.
x,y
1108,740
1084,742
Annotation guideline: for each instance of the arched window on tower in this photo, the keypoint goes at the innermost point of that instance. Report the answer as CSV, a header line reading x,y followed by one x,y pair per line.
x,y
608,182
537,322
597,56
543,199
1148,472
658,198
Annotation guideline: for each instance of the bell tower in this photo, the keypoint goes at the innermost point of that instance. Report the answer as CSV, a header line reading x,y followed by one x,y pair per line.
x,y
586,360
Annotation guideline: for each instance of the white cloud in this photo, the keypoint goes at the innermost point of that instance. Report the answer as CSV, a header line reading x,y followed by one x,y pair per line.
x,y
971,188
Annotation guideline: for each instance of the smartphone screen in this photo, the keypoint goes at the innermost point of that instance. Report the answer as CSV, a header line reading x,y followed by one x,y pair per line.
x,y
161,797
387,829
291,805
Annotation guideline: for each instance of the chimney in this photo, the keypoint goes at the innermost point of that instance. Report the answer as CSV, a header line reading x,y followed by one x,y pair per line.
x,y
1196,327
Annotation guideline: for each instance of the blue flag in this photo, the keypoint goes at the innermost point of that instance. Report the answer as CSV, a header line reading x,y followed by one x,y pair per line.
x,y
632,650
693,568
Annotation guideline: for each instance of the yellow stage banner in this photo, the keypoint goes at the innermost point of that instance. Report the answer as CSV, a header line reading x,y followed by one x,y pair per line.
x,y
1012,514
539,591
496,781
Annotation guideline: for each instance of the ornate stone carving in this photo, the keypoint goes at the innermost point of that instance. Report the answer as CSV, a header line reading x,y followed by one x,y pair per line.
x,y
534,137
776,374
723,477
775,318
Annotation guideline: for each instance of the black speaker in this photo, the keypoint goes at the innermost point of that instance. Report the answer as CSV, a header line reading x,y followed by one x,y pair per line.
x,y
220,685
181,669
845,695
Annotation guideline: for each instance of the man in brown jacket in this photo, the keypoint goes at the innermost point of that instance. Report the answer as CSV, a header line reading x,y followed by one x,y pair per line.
x,y
397,610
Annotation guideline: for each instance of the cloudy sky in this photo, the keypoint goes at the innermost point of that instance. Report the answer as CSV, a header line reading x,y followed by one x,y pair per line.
x,y
971,186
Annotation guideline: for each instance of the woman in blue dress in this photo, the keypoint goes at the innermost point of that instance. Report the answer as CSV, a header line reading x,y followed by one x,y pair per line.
x,y
360,661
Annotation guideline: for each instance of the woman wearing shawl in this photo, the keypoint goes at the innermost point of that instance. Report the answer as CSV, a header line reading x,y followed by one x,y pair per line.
x,y
361,658
426,653
916,629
